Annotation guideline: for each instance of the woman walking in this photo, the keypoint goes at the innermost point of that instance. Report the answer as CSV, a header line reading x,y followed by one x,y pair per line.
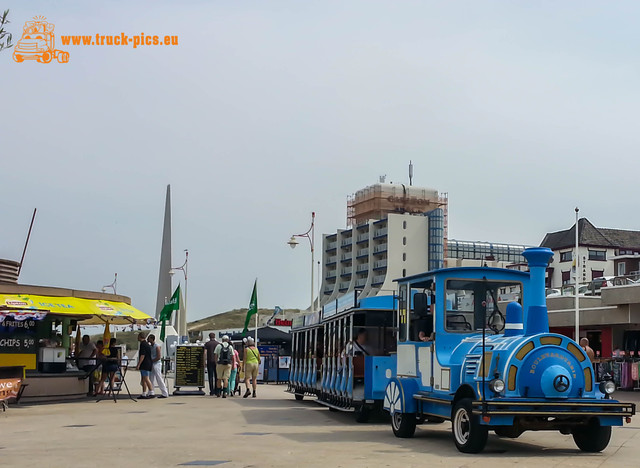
x,y
235,365
251,364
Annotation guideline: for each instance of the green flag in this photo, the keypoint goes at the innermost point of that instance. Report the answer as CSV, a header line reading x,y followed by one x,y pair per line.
x,y
167,310
253,308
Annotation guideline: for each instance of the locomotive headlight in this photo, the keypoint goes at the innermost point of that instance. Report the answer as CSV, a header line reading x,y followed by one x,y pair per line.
x,y
607,387
496,385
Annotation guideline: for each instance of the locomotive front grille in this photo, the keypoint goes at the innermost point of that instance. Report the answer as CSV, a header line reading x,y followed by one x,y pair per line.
x,y
471,364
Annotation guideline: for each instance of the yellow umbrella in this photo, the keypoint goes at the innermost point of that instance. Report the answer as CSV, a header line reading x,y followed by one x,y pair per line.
x,y
106,337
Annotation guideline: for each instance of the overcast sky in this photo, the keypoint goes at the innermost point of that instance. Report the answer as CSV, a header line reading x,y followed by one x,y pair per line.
x,y
269,110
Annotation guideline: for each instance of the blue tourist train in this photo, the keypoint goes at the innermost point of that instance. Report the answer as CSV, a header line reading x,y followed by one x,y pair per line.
x,y
490,363
470,345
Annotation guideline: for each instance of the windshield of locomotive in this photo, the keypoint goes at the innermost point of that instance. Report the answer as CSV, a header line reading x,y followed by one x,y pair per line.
x,y
474,304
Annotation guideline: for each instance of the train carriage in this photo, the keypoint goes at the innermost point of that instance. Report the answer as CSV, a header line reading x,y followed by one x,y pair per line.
x,y
474,347
329,363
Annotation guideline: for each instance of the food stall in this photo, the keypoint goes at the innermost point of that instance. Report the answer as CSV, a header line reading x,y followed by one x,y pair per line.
x,y
37,329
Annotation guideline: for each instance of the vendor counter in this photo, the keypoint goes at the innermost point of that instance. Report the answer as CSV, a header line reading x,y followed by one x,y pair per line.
x,y
49,387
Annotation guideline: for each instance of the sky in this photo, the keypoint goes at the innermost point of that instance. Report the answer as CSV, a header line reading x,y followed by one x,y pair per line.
x,y
268,110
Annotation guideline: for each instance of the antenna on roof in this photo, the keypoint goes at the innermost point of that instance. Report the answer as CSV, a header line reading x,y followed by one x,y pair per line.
x,y
382,178
410,172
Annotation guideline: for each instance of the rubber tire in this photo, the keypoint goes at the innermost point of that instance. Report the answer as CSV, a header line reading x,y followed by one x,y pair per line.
x,y
362,414
299,396
19,58
403,424
593,438
46,57
478,434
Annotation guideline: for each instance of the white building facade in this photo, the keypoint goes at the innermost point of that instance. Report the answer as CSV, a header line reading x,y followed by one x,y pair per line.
x,y
369,256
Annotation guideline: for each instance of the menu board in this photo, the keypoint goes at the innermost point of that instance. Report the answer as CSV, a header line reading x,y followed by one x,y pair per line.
x,y
189,366
18,336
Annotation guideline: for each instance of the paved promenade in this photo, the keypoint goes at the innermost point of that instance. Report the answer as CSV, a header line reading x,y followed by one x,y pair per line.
x,y
272,430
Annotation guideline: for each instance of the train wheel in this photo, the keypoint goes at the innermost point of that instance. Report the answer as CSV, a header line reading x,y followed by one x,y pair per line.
x,y
403,424
299,396
362,414
468,434
592,438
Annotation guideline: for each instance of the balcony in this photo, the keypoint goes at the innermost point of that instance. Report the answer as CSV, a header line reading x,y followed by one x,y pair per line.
x,y
363,237
380,232
332,245
346,256
344,285
380,248
331,274
362,267
347,241
362,253
380,264
331,259
361,282
379,279
346,271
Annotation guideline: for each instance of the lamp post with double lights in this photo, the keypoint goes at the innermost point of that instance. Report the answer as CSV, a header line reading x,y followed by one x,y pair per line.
x,y
112,285
182,319
310,237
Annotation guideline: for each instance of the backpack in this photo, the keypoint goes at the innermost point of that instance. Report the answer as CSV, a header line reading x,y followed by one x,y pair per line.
x,y
225,354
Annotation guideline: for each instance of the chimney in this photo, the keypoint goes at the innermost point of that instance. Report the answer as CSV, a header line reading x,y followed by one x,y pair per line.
x,y
537,318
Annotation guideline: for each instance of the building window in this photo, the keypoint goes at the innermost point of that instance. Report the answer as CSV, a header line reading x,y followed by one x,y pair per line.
x,y
566,256
404,272
622,267
404,257
404,225
597,274
404,241
599,255
566,277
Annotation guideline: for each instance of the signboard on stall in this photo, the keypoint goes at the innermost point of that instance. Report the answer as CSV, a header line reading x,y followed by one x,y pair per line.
x,y
9,388
269,361
189,366
18,339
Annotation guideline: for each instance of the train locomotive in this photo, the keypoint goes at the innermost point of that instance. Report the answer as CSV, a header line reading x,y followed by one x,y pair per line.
x,y
474,348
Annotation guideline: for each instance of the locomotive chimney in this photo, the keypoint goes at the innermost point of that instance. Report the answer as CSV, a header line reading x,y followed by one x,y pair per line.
x,y
537,318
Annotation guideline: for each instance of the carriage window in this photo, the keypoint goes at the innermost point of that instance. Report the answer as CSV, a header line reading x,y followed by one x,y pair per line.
x,y
472,304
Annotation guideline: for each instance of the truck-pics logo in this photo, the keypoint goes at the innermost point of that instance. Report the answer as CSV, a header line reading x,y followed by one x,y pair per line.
x,y
38,43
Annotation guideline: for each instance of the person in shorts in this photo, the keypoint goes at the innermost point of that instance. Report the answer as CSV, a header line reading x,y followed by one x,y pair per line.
x,y
224,359
251,363
145,366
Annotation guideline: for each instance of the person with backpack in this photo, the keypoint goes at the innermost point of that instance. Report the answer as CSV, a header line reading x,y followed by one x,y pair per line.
x,y
251,366
224,359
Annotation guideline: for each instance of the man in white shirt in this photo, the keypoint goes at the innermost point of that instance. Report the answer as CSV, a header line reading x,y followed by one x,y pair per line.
x,y
156,371
86,358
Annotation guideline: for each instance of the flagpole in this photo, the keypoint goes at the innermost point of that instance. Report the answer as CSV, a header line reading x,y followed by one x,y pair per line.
x,y
577,295
257,312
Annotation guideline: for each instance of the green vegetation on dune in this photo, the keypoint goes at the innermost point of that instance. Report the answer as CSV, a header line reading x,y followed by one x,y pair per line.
x,y
234,319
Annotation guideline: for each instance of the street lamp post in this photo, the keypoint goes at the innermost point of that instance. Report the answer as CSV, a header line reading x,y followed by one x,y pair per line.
x,y
182,322
310,235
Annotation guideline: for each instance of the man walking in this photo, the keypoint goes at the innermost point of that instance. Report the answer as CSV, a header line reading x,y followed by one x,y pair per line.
x,y
224,359
210,349
156,371
144,366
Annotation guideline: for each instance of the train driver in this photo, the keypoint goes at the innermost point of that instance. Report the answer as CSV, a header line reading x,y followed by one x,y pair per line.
x,y
360,347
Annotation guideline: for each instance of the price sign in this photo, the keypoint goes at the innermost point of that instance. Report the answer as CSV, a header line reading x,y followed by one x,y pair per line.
x,y
189,366
18,336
